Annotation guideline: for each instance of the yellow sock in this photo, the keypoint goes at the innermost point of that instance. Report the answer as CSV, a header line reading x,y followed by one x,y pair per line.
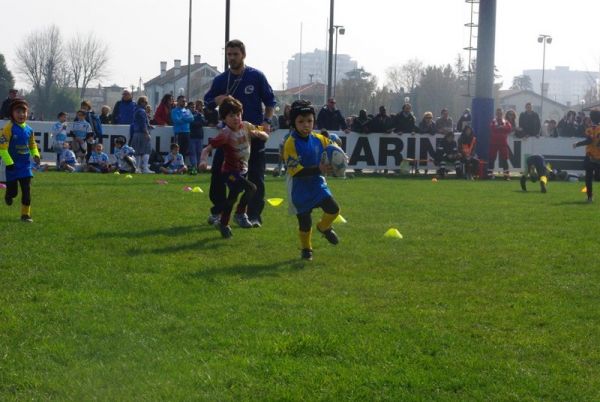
x,y
326,221
305,239
26,210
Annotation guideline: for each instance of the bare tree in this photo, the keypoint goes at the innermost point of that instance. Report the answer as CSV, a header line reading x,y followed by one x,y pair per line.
x,y
40,57
87,60
406,76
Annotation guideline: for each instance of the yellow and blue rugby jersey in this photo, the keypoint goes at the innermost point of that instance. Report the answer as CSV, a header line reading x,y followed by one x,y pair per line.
x,y
17,144
306,192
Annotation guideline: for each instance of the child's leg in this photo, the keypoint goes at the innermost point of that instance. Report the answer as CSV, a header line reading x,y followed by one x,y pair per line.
x,y
589,176
12,190
305,230
234,192
57,161
330,211
249,191
492,159
25,196
503,156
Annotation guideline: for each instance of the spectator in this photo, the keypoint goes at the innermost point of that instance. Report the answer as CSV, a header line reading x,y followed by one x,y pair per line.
x,y
59,134
330,118
98,162
427,126
551,128
405,121
174,163
529,122
181,118
465,120
140,138
499,129
567,126
162,115
511,117
68,161
284,119
92,118
105,116
5,110
444,123
211,115
466,147
149,112
82,130
382,123
125,156
447,151
124,109
587,123
361,123
196,136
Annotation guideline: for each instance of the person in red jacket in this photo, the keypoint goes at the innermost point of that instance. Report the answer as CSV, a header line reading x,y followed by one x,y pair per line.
x,y
499,129
162,115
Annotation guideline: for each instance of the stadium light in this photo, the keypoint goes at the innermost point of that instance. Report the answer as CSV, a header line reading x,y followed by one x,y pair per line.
x,y
543,39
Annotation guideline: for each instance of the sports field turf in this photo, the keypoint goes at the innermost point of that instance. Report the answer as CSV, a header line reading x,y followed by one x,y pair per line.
x,y
120,291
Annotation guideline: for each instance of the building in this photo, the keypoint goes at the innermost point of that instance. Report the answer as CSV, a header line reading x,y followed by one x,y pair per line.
x,y
314,68
516,99
564,85
174,81
314,92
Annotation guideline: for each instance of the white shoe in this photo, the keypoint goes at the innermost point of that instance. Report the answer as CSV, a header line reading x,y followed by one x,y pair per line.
x,y
147,171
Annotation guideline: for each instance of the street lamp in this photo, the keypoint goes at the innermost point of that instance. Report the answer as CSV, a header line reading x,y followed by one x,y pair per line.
x,y
342,31
582,104
543,39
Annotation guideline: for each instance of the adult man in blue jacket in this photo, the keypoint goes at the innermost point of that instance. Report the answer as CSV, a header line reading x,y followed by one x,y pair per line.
x,y
251,88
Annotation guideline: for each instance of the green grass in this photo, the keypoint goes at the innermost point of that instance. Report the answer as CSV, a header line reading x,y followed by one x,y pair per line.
x,y
120,291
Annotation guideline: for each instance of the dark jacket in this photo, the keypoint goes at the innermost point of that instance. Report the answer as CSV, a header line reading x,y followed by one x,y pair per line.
x,y
427,129
330,119
405,123
5,110
196,127
360,125
530,124
380,124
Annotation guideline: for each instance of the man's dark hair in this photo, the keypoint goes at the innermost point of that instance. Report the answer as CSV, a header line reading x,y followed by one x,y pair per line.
x,y
180,96
229,105
237,43
60,114
174,146
595,116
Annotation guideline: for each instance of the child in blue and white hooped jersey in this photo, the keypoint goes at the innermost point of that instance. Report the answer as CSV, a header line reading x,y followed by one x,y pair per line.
x,y
80,130
59,135
68,161
174,163
98,162
125,156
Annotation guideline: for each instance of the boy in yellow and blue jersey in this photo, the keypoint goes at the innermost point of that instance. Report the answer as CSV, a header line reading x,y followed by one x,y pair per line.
x,y
591,163
307,187
17,145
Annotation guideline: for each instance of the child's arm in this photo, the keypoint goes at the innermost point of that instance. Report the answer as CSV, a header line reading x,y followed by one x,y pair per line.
x,y
204,157
587,141
255,132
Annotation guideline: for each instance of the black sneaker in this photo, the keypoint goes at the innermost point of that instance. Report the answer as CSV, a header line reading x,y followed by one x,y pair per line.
x,y
26,218
330,235
225,231
306,254
523,183
8,201
590,199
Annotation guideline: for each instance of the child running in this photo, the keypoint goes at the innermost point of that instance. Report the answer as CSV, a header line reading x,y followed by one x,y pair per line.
x,y
307,187
17,144
234,138
591,163
536,169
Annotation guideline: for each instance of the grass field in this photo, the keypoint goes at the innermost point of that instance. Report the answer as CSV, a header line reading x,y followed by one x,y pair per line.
x,y
120,291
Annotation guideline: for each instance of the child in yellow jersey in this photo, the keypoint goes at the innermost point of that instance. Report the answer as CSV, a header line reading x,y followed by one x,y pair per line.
x,y
307,187
591,163
17,144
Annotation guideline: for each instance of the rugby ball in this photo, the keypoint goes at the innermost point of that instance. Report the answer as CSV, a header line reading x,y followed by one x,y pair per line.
x,y
335,156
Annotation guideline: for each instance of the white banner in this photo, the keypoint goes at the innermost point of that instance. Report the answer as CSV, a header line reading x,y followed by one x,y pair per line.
x,y
366,151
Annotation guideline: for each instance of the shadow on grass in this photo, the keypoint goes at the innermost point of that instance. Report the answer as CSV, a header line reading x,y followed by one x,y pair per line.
x,y
210,244
252,270
574,202
170,231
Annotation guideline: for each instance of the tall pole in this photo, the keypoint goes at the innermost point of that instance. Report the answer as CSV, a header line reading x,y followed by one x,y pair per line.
x,y
543,39
189,67
300,66
227,12
335,62
483,102
329,61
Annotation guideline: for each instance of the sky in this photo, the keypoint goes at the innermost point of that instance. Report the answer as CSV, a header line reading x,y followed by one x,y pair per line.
x,y
379,33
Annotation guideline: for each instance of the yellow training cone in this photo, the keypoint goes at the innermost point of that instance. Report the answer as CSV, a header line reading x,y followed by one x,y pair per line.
x,y
275,202
197,190
584,190
340,219
393,233
129,176
117,172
